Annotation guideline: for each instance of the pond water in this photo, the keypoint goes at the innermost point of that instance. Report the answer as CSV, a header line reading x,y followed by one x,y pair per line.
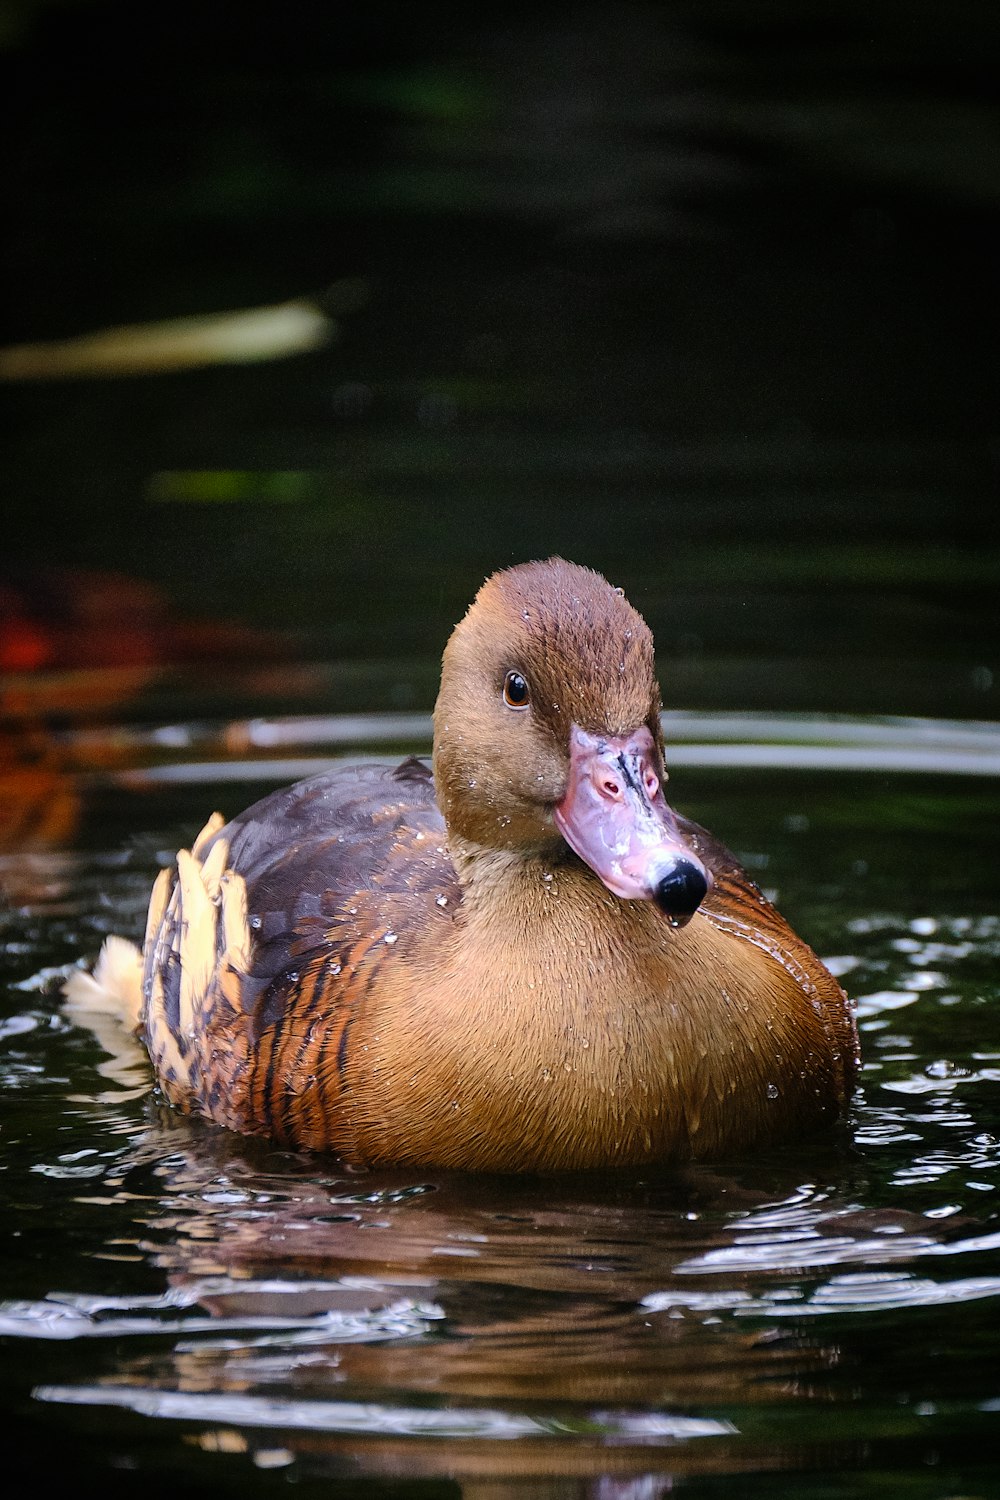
x,y
183,1306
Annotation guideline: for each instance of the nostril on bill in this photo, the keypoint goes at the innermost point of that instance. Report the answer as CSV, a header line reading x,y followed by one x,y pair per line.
x,y
681,890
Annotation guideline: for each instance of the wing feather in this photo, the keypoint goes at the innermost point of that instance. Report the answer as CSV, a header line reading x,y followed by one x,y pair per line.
x,y
263,943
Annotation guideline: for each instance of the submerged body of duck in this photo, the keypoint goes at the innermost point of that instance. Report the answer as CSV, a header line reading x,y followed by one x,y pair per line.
x,y
524,960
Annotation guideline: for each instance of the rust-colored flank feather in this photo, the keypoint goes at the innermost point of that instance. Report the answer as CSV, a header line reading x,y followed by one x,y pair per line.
x,y
521,959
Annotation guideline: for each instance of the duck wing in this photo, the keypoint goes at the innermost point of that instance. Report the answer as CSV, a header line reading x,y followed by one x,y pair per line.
x,y
264,941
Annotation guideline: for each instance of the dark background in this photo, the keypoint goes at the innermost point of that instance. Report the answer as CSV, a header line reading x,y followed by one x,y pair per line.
x,y
701,295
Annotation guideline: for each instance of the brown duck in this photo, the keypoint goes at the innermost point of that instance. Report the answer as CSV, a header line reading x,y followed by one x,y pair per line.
x,y
521,960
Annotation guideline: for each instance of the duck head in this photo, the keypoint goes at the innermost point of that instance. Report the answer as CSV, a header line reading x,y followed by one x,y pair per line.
x,y
547,734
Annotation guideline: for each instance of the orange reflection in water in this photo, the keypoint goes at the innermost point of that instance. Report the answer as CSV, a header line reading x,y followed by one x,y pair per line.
x,y
78,650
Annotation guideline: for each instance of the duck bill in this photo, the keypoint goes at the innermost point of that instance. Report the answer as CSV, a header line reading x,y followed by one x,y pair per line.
x,y
615,817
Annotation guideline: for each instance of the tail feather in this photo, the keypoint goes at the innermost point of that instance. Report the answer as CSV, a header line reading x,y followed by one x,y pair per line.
x,y
114,988
182,934
107,1003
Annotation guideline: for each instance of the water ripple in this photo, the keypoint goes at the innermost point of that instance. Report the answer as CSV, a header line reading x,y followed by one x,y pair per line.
x,y
858,1291
74,1317
787,741
374,1418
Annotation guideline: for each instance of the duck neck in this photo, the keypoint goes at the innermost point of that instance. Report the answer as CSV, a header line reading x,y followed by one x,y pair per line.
x,y
543,899
492,877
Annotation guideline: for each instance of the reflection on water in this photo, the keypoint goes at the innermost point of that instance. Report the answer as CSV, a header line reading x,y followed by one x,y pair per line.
x,y
254,1310
636,1326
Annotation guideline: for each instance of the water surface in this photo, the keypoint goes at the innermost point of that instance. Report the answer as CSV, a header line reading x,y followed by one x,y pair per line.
x,y
179,1302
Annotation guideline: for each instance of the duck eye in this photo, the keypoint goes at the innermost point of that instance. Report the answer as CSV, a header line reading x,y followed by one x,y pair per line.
x,y
515,691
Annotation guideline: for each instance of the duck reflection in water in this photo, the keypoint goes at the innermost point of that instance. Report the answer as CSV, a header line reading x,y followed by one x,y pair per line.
x,y
544,1328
